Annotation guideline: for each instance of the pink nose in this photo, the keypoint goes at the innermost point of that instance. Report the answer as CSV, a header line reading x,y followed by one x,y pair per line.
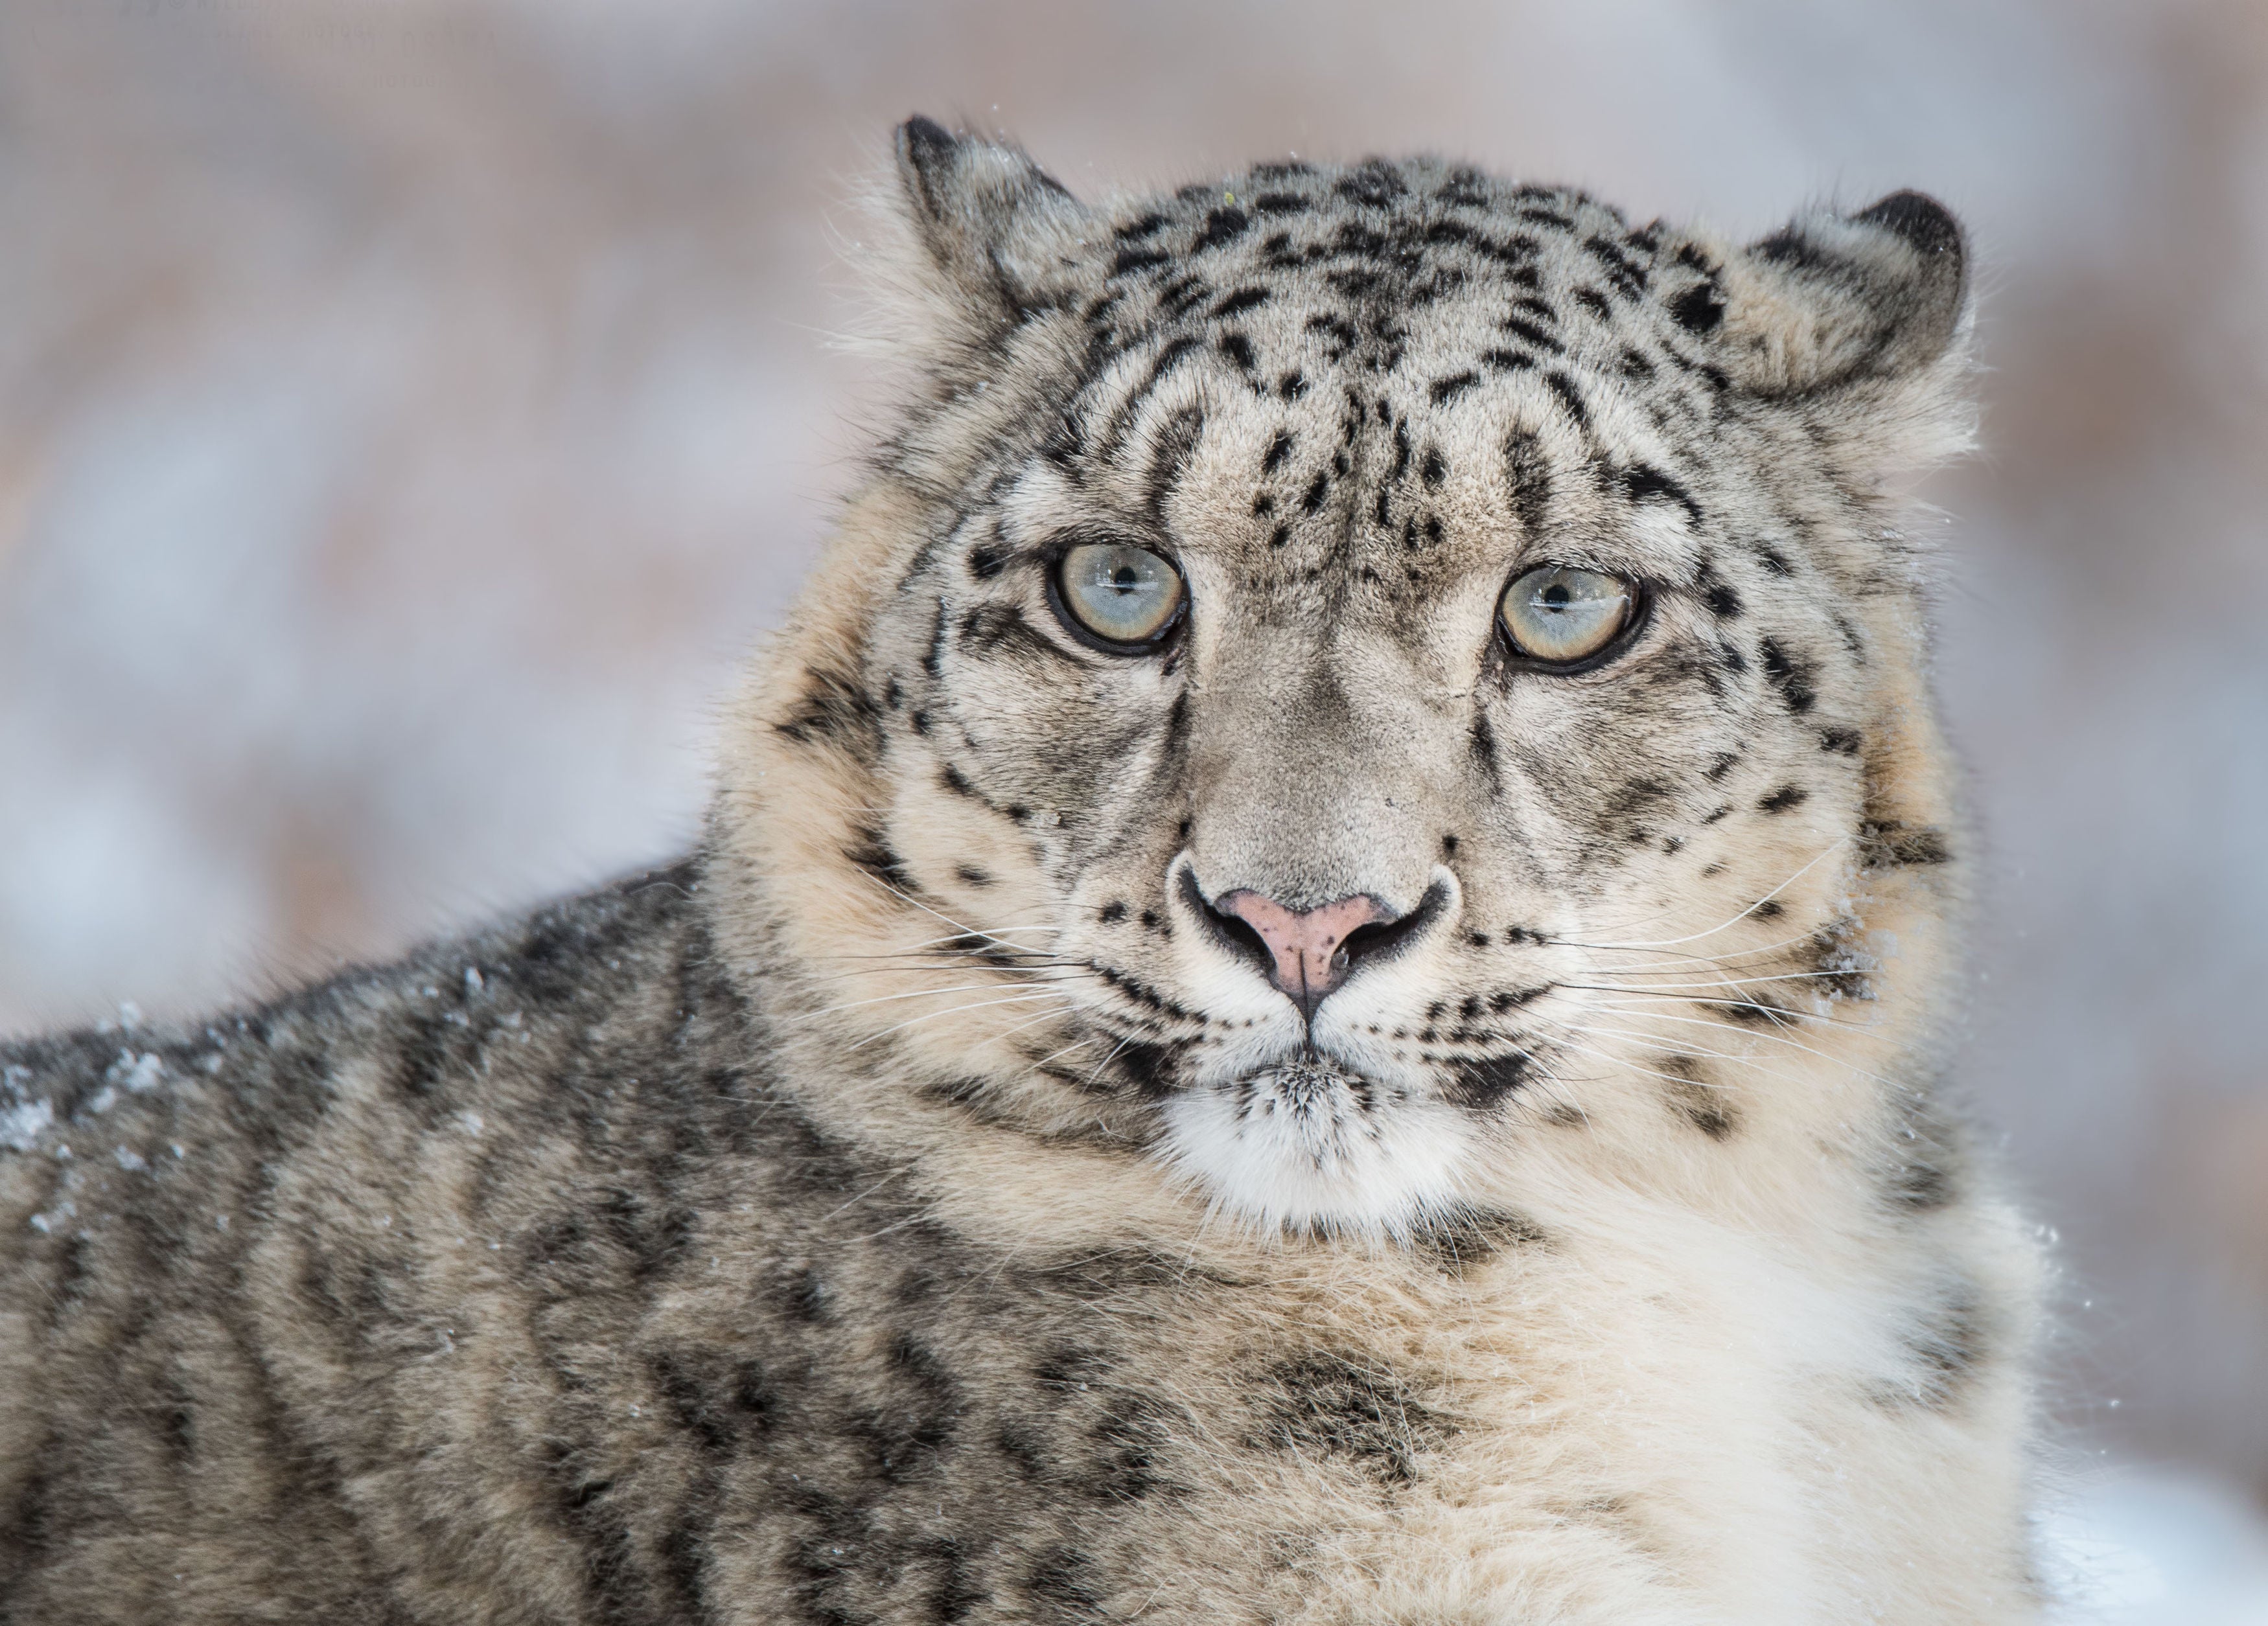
x,y
1304,943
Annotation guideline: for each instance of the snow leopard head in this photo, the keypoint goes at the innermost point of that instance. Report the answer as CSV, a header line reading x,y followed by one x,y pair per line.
x,y
1342,675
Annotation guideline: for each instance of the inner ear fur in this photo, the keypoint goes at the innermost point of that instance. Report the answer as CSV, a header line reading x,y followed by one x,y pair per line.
x,y
1831,300
1000,235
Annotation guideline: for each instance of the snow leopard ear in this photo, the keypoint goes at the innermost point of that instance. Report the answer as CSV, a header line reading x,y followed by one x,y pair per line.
x,y
999,232
1833,299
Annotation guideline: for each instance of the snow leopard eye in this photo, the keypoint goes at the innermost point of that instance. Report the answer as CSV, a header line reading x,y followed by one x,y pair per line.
x,y
1117,596
1558,615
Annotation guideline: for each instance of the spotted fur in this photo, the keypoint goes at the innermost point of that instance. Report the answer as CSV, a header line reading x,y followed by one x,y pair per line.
x,y
918,1206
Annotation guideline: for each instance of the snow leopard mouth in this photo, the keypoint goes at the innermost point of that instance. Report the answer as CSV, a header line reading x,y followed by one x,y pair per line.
x,y
1306,1141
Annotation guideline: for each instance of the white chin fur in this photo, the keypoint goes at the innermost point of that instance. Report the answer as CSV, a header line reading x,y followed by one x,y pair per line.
x,y
1294,1148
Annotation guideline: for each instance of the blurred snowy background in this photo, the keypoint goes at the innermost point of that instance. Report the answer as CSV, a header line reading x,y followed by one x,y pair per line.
x,y
409,412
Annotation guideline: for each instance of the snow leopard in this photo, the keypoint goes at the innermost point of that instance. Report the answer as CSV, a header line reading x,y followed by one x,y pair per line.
x,y
1319,988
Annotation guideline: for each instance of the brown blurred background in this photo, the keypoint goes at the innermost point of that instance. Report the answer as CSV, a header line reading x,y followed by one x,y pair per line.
x,y
408,413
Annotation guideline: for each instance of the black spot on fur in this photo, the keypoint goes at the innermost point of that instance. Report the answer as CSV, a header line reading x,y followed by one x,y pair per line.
x,y
1177,443
1569,397
1887,844
1446,390
1624,274
1321,1404
1781,800
1484,747
991,629
1949,1342
1925,1156
1696,1100
871,852
1222,225
953,780
832,707
1467,1239
1149,1067
1699,309
1064,1584
1529,471
1132,259
1375,184
1484,1084
1790,674
1278,449
1530,333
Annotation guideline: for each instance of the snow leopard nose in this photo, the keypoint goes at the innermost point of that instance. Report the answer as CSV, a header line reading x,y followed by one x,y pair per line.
x,y
1306,952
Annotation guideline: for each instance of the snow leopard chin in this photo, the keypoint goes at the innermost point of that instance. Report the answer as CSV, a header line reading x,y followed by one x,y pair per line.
x,y
1304,1148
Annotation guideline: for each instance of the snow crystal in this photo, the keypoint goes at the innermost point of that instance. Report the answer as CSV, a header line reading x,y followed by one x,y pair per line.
x,y
472,979
128,1160
102,1100
137,1073
20,1126
472,1122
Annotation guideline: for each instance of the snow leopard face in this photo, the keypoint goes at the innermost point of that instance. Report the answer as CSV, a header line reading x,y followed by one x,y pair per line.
x,y
1370,665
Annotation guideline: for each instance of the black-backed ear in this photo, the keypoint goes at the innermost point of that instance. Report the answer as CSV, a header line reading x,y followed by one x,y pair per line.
x,y
1831,300
999,231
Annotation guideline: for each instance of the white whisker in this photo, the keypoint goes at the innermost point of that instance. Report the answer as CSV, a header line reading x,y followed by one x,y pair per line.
x,y
980,1005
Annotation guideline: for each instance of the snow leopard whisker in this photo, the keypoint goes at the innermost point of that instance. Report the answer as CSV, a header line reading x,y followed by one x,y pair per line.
x,y
1623,1063
906,897
1007,1033
1095,1076
1855,1070
1650,1042
1686,961
1031,975
1076,1044
918,993
980,1004
1772,1016
1668,989
1736,920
